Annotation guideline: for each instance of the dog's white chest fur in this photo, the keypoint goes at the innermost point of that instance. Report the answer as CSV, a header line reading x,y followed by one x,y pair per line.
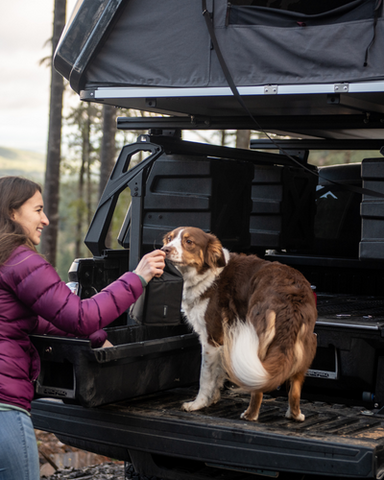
x,y
195,285
192,304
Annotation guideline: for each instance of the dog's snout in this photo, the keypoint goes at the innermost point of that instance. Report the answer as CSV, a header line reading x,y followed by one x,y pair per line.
x,y
166,249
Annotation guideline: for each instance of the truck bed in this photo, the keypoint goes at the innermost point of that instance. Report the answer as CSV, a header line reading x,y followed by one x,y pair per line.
x,y
342,435
159,439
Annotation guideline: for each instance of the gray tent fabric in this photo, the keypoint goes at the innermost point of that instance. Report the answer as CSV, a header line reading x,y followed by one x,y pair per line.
x,y
326,53
251,15
166,44
155,44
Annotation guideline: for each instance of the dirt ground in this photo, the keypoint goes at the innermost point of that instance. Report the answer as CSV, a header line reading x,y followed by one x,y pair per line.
x,y
55,456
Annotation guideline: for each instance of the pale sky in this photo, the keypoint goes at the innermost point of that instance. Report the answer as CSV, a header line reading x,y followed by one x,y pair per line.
x,y
25,28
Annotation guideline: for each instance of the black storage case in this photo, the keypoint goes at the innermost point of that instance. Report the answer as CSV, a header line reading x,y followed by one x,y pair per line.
x,y
337,220
283,207
212,194
372,210
349,362
143,360
250,200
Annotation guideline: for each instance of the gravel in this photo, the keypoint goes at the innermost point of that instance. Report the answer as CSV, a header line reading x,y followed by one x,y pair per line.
x,y
56,456
104,471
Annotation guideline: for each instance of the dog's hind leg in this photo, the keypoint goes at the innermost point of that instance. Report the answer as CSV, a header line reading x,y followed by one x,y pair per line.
x,y
295,384
211,379
252,412
268,334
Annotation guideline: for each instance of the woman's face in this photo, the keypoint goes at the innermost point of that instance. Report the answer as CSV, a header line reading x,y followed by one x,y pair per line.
x,y
32,217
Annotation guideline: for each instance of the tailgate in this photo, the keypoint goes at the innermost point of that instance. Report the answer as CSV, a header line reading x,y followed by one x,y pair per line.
x,y
333,440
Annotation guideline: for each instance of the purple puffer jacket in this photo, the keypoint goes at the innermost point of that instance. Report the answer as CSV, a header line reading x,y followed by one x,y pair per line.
x,y
33,299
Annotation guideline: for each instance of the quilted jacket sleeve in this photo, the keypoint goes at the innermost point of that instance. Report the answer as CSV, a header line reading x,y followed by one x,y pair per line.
x,y
47,328
37,285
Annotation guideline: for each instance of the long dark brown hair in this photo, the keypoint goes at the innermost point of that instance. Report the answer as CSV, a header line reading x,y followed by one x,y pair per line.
x,y
14,191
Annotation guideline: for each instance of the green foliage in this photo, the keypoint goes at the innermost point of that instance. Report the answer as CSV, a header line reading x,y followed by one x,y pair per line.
x,y
121,210
69,205
338,157
67,232
82,126
78,204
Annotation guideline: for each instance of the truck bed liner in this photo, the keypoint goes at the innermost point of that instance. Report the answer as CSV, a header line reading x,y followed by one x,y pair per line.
x,y
333,440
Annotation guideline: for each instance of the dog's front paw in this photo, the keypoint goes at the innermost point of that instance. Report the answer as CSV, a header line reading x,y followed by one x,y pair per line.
x,y
300,417
192,406
251,417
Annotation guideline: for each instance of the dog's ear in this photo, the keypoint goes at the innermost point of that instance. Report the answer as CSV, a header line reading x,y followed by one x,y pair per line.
x,y
214,255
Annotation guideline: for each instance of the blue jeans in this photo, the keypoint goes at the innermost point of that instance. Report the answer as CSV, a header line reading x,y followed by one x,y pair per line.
x,y
19,458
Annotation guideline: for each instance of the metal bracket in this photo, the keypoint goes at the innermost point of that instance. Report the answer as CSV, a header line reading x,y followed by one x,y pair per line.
x,y
270,90
341,87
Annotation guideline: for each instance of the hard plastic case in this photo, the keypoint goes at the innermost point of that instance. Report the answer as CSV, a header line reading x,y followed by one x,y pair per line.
x,y
144,360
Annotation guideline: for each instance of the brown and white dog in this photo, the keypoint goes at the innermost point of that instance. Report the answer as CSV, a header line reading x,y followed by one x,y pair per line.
x,y
254,318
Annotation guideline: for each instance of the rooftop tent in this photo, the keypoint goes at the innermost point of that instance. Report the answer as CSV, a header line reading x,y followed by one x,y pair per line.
x,y
135,42
158,56
152,43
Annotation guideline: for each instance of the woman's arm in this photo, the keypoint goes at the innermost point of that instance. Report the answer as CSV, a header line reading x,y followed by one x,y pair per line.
x,y
38,286
44,327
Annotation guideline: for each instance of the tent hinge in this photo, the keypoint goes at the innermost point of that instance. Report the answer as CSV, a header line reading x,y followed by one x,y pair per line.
x,y
341,87
270,90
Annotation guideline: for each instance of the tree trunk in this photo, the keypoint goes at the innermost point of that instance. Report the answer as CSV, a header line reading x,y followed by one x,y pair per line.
x,y
108,146
107,152
223,137
243,138
83,206
80,209
90,119
52,173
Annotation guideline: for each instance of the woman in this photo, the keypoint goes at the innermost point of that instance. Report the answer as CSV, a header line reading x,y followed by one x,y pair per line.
x,y
33,299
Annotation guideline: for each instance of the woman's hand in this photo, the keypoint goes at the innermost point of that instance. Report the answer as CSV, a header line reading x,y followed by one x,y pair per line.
x,y
151,265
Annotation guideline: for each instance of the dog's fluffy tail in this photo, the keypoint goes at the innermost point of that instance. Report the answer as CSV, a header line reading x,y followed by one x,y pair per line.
x,y
246,360
240,357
